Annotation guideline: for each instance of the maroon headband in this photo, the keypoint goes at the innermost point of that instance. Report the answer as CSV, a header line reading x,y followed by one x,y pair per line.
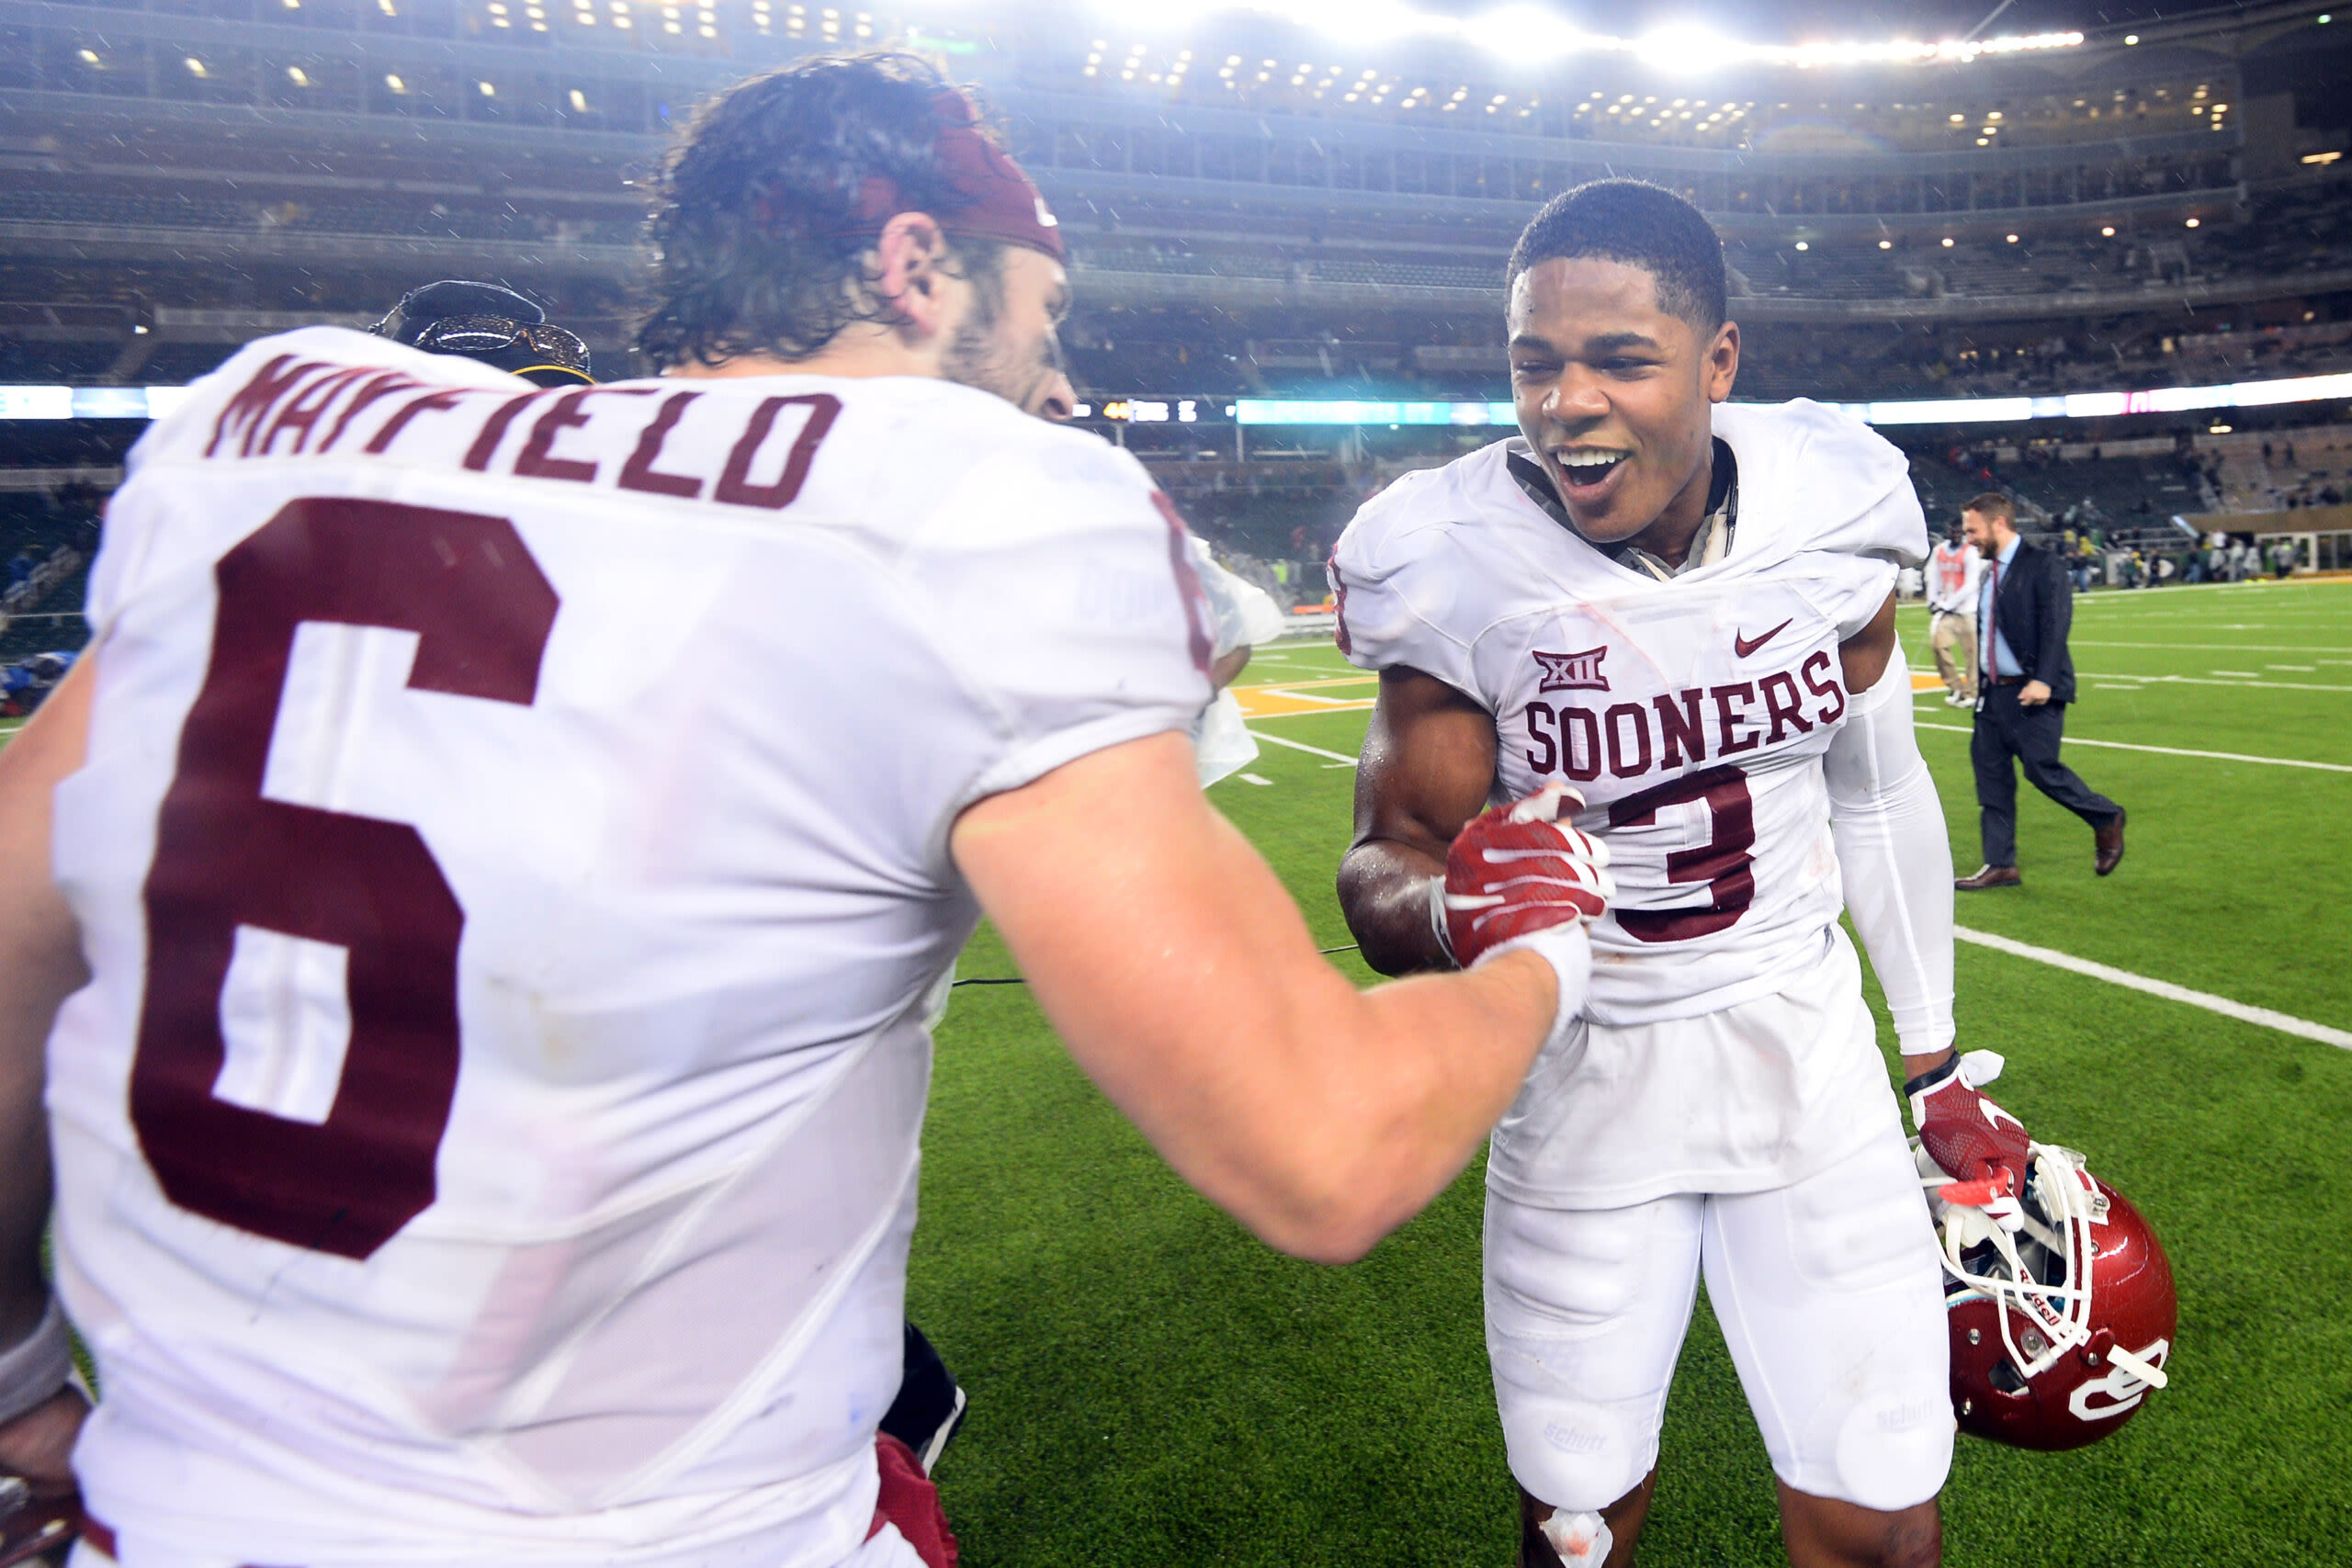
x,y
992,200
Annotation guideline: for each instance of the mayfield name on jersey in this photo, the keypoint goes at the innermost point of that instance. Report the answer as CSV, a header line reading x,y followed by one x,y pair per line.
x,y
512,859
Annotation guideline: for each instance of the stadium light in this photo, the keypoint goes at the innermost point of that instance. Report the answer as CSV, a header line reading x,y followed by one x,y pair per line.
x,y
1687,48
1528,34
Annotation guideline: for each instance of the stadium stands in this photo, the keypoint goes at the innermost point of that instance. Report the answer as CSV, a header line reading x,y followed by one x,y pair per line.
x,y
1252,209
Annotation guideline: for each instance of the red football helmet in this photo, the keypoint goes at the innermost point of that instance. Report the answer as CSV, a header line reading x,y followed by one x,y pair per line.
x,y
2062,1317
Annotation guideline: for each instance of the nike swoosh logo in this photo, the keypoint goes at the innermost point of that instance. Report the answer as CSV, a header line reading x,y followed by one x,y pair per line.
x,y
1744,646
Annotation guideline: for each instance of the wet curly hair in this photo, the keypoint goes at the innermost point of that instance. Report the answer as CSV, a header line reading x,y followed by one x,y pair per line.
x,y
761,252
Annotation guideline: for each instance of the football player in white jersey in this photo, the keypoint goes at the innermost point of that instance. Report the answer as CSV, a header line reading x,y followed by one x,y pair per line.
x,y
485,896
1684,608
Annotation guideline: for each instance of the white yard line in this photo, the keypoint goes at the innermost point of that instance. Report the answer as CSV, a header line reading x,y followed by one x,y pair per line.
x,y
1303,746
1298,696
1331,706
2286,1023
1953,729
2212,646
2248,679
2265,685
2169,750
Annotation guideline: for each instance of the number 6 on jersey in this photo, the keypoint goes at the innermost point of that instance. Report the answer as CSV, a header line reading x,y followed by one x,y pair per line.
x,y
227,857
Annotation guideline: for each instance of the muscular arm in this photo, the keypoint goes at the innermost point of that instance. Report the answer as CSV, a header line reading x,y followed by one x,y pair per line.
x,y
40,965
1427,766
1892,850
1183,980
1863,657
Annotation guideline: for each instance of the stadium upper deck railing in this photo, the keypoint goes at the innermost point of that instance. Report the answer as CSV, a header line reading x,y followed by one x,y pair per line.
x,y
170,67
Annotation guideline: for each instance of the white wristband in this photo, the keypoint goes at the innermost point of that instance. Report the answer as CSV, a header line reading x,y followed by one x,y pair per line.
x,y
1568,948
32,1371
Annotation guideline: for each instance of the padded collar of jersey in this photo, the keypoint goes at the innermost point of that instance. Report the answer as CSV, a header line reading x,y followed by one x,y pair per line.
x,y
1711,544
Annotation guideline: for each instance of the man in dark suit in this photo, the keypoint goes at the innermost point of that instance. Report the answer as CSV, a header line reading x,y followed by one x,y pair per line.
x,y
2022,612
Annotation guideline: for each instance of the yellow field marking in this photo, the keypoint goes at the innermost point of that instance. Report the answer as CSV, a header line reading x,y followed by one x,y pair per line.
x,y
1926,682
1270,701
1289,698
1300,685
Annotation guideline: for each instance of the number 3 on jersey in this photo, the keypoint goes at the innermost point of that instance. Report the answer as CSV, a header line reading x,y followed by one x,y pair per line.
x,y
226,856
1722,862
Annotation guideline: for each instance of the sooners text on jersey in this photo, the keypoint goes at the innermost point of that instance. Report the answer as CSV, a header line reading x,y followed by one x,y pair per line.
x,y
1692,714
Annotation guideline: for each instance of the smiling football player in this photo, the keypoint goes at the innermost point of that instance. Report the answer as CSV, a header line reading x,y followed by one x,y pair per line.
x,y
1685,609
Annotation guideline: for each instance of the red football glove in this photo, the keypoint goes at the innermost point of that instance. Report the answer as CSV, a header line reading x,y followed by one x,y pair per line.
x,y
36,1528
1515,869
1968,1135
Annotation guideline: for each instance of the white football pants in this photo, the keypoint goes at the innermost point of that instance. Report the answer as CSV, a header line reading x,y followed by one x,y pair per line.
x,y
1830,1297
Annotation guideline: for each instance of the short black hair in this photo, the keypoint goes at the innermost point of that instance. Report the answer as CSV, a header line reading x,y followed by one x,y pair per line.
x,y
760,249
1642,225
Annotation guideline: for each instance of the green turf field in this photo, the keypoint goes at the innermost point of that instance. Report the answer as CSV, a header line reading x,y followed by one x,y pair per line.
x,y
1150,1386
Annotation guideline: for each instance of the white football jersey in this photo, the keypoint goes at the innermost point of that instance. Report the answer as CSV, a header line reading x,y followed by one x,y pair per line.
x,y
512,858
1691,713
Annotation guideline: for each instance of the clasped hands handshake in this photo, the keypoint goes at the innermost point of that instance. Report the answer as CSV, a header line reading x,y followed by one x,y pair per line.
x,y
1520,875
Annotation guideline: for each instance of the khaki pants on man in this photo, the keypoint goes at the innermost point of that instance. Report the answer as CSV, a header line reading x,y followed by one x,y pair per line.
x,y
1955,632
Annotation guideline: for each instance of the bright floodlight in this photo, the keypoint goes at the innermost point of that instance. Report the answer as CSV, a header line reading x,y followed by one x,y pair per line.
x,y
1528,34
1688,48
1360,21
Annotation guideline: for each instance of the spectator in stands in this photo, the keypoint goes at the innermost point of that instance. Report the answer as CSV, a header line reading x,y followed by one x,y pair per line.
x,y
2023,616
20,566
